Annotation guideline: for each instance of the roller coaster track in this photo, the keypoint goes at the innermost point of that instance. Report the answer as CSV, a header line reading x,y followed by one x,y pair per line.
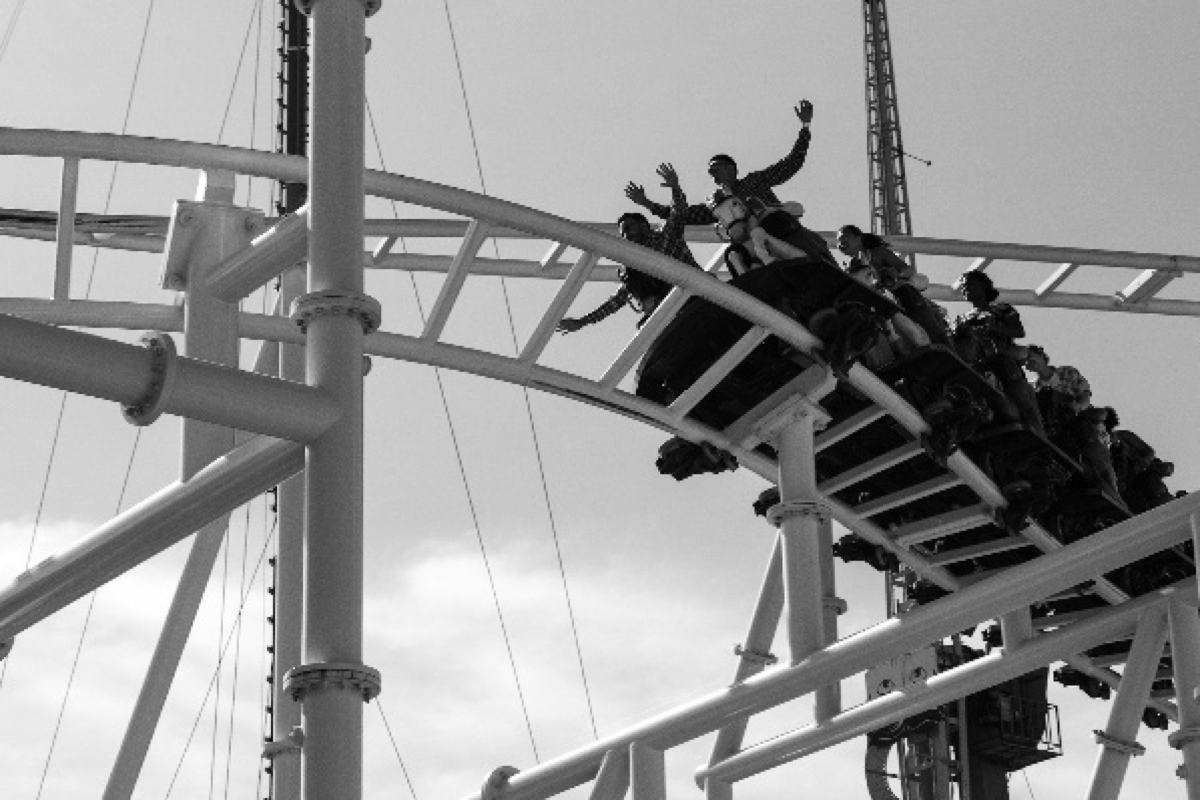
x,y
576,253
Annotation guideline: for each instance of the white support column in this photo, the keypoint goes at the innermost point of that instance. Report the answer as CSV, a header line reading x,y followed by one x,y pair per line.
x,y
829,699
1016,627
333,682
717,790
1118,740
799,515
1185,660
65,230
210,334
289,584
647,772
612,781
754,654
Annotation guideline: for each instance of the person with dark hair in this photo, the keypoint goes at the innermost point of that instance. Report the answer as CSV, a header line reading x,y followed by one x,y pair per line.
x,y
1064,399
640,291
894,275
758,185
1138,468
984,338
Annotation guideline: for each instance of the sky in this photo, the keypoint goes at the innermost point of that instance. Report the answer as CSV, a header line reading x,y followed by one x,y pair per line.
x,y
1068,123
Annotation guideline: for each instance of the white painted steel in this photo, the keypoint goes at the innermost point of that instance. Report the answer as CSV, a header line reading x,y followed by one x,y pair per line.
x,y
717,790
612,782
289,577
645,336
870,468
716,373
1054,281
1184,627
271,252
110,370
331,762
64,233
647,772
145,530
477,233
210,333
1016,587
768,608
973,676
534,224
557,308
1125,713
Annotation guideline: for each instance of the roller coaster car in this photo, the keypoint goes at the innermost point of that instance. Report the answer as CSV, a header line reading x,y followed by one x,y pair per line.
x,y
845,314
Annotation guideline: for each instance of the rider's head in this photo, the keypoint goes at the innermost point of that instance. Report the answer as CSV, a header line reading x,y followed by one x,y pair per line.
x,y
723,169
634,227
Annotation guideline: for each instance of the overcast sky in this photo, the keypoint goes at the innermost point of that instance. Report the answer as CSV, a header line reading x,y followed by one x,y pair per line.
x,y
1068,123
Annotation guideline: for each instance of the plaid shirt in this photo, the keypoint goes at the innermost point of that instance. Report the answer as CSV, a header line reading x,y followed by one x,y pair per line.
x,y
667,240
756,185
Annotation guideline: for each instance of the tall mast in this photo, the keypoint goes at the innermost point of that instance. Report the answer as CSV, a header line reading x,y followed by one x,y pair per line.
x,y
292,128
889,190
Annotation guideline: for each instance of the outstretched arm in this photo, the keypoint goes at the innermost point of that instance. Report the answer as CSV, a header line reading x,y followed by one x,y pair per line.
x,y
677,219
786,168
610,306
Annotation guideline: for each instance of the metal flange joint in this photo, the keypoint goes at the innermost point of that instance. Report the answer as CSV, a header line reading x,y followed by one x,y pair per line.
x,y
1184,736
321,676
1118,745
777,513
164,366
329,303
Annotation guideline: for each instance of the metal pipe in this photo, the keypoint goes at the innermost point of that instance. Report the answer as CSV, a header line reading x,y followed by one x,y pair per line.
x,y
1118,740
1184,625
64,233
799,518
289,581
145,530
755,651
973,676
647,772
130,375
333,708
270,253
211,334
1018,586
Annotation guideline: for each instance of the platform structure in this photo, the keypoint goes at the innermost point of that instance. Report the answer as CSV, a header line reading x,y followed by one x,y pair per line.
x,y
293,419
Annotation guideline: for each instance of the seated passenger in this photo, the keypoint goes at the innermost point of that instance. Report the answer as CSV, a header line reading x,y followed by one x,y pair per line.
x,y
1138,468
759,235
1070,421
901,336
640,291
984,338
724,171
897,276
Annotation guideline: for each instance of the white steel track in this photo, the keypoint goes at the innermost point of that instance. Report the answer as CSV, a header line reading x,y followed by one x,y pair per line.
x,y
592,250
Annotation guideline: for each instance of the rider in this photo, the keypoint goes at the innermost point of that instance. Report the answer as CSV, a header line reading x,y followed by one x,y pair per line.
x,y
896,276
638,290
758,185
984,338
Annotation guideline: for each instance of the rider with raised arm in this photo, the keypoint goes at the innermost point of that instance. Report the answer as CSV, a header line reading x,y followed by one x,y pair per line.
x,y
758,185
640,291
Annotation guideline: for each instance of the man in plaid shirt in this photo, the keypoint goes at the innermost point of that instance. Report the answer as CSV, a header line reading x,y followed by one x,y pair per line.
x,y
757,185
640,291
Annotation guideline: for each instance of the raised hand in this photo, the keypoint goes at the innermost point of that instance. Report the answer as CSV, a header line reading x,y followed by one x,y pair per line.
x,y
670,178
636,193
804,111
